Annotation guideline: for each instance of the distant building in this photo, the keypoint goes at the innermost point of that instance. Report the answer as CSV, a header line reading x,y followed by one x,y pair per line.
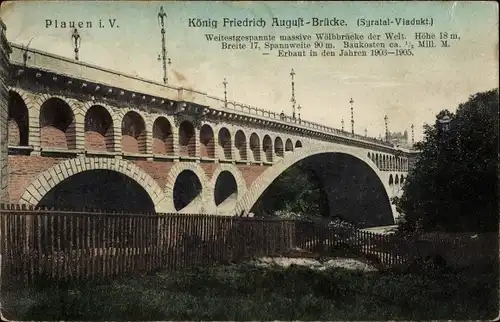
x,y
400,139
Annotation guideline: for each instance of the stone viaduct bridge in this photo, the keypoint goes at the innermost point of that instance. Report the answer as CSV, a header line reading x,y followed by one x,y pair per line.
x,y
76,135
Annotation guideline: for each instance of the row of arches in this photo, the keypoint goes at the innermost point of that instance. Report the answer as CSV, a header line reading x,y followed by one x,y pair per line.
x,y
389,162
113,191
58,129
188,191
245,148
396,180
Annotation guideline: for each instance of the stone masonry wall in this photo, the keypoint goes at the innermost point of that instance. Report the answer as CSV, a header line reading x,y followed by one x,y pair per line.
x,y
4,100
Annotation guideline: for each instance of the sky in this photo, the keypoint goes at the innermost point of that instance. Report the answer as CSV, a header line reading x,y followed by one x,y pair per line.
x,y
409,90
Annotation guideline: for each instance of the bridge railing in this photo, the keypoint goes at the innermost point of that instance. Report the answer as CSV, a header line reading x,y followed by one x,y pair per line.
x,y
45,60
252,110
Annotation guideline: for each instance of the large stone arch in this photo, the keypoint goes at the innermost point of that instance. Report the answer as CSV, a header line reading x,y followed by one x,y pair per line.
x,y
63,170
205,204
260,185
240,182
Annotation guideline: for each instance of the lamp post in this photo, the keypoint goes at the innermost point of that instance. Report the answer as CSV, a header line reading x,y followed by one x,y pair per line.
x,y
298,108
162,19
292,74
225,92
352,115
386,128
26,56
366,132
75,37
342,125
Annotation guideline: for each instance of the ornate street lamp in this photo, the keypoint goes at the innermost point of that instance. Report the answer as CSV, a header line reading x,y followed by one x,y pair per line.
x,y
352,115
26,56
292,74
225,92
299,108
342,125
162,19
75,37
386,128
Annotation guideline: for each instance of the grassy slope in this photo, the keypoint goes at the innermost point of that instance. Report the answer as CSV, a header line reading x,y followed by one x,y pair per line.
x,y
249,293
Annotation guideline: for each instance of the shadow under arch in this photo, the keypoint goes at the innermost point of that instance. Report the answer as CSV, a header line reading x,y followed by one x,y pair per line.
x,y
350,180
99,189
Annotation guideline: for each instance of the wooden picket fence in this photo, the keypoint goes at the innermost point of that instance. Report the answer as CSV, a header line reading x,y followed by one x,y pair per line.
x,y
60,245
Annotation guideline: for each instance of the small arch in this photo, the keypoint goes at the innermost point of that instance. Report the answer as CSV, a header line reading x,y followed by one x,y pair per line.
x,y
267,146
396,181
298,144
288,145
163,137
187,142
255,146
391,180
278,147
18,120
402,180
207,148
369,156
240,142
225,143
377,160
187,190
225,191
57,124
133,133
98,129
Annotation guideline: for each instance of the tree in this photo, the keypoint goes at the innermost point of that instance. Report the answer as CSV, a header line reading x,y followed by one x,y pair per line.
x,y
296,193
453,186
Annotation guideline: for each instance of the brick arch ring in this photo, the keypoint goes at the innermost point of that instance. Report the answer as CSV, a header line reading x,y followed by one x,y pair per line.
x,y
24,95
63,170
258,187
237,175
85,107
206,204
72,103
